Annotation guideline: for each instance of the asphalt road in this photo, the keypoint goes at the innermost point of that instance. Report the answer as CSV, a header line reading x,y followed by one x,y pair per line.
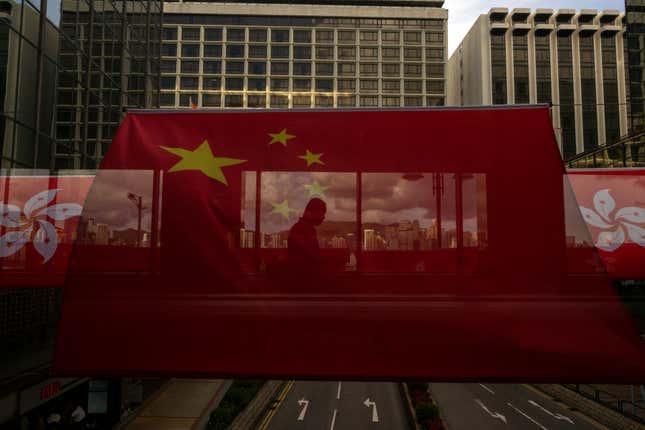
x,y
503,406
340,406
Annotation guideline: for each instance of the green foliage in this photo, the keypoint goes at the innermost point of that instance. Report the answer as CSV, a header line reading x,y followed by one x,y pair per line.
x,y
426,411
235,400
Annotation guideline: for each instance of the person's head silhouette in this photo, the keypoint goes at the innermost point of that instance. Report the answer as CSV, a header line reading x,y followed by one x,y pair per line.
x,y
315,211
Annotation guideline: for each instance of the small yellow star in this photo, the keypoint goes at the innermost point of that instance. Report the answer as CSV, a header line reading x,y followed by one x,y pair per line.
x,y
311,158
282,209
281,137
202,159
315,189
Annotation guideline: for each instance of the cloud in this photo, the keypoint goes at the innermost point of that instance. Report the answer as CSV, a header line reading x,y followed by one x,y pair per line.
x,y
464,13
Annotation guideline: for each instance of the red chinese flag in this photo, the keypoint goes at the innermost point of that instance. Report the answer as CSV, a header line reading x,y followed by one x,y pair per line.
x,y
344,244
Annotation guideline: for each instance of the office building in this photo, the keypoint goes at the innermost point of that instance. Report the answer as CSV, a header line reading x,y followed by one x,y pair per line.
x,y
572,60
635,40
303,54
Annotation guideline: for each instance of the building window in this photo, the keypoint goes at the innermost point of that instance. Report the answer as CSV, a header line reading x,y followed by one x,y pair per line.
x,y
324,69
235,34
391,53
211,100
434,54
302,69
190,33
369,85
346,53
302,84
257,51
369,101
168,82
346,101
235,67
434,37
609,65
279,36
187,100
413,101
390,37
167,99
257,84
279,51
279,68
436,101
302,52
346,36
498,57
412,54
521,68
213,67
235,84
588,93
213,34
369,36
324,84
212,84
234,100
302,36
256,100
369,53
169,50
168,66
567,108
279,84
301,101
346,69
212,50
258,35
434,87
324,101
279,101
543,68
391,86
412,70
189,66
324,36
412,37
169,33
414,87
324,52
391,70
389,101
346,85
190,50
235,51
435,70
369,69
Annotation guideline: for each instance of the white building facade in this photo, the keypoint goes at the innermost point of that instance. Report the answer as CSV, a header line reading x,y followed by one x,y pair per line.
x,y
572,60
302,55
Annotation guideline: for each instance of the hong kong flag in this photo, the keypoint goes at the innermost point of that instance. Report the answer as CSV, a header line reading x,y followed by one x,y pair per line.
x,y
344,244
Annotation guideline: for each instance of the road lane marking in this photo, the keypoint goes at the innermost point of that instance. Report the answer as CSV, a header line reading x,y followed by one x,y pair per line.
x,y
527,417
496,415
333,420
303,402
487,389
280,399
554,415
370,403
340,384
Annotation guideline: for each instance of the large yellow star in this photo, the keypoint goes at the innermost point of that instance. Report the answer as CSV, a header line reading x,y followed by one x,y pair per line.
x,y
315,189
281,137
202,159
282,209
311,158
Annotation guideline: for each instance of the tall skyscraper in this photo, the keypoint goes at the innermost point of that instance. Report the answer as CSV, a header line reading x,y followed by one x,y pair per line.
x,y
573,60
304,54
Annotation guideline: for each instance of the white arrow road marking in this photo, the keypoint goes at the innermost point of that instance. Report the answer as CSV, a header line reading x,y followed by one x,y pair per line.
x,y
554,415
492,414
340,384
369,403
486,388
303,412
333,420
527,417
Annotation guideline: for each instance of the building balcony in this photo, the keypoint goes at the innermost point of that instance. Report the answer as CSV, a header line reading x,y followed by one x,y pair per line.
x,y
520,14
609,16
497,14
542,16
564,16
586,16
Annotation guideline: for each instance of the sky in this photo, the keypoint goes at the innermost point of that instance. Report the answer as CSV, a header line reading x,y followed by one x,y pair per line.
x,y
463,13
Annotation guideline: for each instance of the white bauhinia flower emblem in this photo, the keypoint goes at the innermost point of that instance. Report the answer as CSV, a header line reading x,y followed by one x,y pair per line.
x,y
32,224
614,223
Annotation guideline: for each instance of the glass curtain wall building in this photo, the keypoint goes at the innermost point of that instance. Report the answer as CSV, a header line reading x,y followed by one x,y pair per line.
x,y
635,17
381,54
65,82
572,60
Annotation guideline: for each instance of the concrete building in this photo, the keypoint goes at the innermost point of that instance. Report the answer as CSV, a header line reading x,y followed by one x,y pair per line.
x,y
635,39
573,60
379,53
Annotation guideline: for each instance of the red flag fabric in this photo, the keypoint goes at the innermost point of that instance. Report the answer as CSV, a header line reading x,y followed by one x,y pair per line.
x,y
39,217
344,244
612,203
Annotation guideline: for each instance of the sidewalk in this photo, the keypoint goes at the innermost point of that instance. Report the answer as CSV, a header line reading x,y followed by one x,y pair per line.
x,y
184,404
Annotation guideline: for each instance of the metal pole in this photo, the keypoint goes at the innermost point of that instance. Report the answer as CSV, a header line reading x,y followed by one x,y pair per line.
x,y
139,210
